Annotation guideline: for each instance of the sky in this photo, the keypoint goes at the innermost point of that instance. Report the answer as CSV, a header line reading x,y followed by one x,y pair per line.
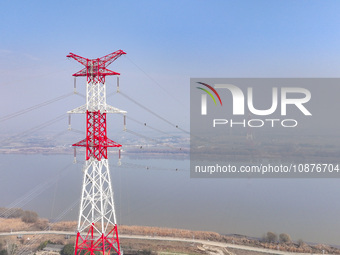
x,y
167,43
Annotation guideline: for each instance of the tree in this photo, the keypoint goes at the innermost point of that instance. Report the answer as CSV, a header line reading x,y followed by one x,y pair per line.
x,y
3,252
10,212
146,252
29,217
68,249
42,245
16,213
11,248
41,224
301,243
271,237
284,238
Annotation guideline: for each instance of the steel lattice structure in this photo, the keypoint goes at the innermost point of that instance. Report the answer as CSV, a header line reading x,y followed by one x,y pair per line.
x,y
97,224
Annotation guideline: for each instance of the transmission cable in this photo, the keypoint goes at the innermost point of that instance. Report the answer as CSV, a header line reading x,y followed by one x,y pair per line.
x,y
34,129
153,113
32,241
33,193
147,167
151,139
152,79
26,110
145,125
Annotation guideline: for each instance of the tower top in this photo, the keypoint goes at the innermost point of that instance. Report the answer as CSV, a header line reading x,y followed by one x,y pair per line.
x,y
97,66
96,108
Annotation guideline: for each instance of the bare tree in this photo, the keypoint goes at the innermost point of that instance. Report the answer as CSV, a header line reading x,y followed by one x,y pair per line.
x,y
284,238
301,243
271,237
29,217
11,248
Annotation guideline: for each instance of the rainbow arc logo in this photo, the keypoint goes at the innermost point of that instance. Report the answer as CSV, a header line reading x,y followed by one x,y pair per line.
x,y
209,93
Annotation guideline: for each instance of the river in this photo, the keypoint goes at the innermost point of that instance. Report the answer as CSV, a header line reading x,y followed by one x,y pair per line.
x,y
150,191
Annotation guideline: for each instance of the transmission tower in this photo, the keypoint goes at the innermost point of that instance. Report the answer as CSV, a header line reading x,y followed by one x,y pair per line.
x,y
97,224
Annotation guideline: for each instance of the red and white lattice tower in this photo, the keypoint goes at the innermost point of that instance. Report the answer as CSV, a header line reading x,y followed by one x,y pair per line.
x,y
97,224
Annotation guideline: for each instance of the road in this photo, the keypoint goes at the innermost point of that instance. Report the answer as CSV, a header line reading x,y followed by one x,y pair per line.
x,y
165,238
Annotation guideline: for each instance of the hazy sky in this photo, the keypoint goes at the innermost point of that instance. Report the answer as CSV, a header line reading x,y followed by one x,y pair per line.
x,y
170,41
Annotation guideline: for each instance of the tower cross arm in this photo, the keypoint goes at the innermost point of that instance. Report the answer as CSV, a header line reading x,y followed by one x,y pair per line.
x,y
80,59
109,58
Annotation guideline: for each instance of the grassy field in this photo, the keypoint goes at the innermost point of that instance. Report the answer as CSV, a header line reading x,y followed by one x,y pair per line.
x,y
159,247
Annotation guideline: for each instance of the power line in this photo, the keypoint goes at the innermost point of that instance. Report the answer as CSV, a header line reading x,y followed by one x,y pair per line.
x,y
151,139
152,79
59,134
148,167
23,111
33,193
34,129
146,125
77,131
79,94
32,241
153,113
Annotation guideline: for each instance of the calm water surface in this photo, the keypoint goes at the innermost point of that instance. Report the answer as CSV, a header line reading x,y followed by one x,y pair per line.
x,y
161,196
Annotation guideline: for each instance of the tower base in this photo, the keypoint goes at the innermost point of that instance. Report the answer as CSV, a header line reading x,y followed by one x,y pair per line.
x,y
94,244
